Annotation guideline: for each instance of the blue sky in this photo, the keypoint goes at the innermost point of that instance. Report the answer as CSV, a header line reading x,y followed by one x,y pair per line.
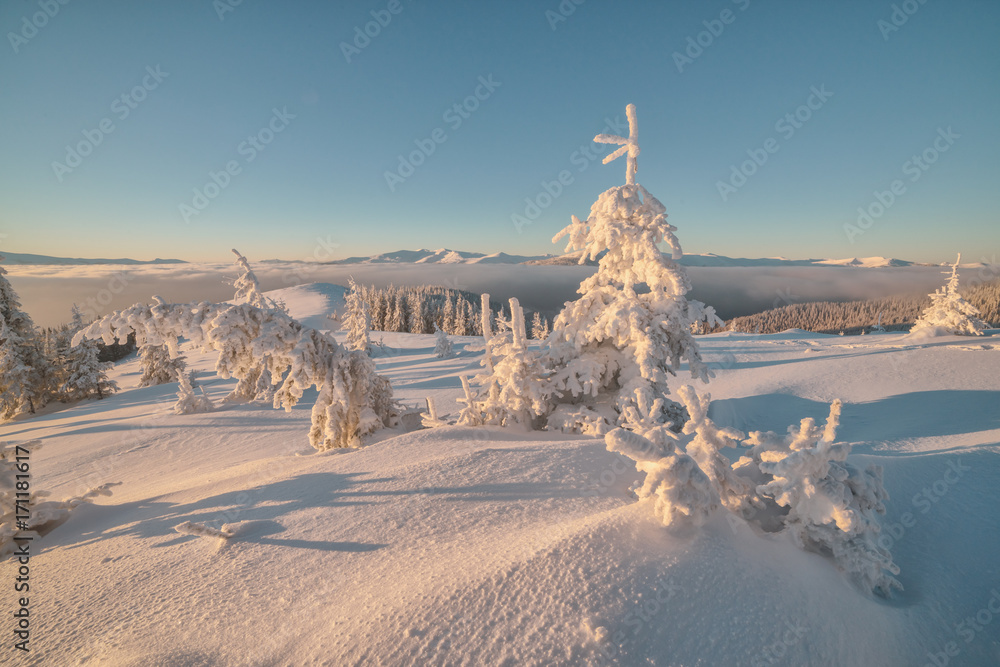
x,y
199,83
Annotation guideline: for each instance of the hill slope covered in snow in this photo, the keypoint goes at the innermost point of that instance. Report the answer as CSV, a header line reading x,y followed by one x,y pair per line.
x,y
492,546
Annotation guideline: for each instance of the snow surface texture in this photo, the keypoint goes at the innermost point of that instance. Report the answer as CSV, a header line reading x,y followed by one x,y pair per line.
x,y
480,546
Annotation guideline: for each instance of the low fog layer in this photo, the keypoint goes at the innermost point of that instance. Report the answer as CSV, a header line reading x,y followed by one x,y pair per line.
x,y
48,292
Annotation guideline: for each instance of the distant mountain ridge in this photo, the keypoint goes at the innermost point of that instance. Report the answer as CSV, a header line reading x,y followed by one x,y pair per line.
x,y
440,256
26,258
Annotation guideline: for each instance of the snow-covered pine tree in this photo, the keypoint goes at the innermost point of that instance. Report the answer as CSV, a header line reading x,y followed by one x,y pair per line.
x,y
23,364
512,386
357,321
85,376
442,344
156,365
630,330
256,384
191,397
949,312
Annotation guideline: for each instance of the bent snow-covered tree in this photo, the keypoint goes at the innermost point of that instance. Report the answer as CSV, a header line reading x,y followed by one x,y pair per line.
x,y
353,400
630,330
949,312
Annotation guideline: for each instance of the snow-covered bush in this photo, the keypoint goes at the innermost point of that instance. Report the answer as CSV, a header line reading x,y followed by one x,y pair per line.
x,y
832,505
353,400
949,313
30,516
442,344
681,494
799,483
630,330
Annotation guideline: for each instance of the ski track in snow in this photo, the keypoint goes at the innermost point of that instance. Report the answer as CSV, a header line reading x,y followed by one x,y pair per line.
x,y
490,546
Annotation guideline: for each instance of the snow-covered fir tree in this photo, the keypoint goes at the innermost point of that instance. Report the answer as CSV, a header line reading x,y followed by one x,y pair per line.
x,y
191,397
257,383
85,376
442,344
539,327
949,312
156,365
512,386
357,321
630,330
24,368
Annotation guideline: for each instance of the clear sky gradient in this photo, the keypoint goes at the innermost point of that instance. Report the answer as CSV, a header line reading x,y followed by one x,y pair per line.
x,y
199,82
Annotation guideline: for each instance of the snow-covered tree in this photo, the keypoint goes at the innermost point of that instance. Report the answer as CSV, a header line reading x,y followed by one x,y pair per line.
x,y
256,384
680,493
799,483
353,400
833,506
157,366
191,397
512,384
24,368
85,376
949,312
630,330
470,415
442,344
539,327
357,321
